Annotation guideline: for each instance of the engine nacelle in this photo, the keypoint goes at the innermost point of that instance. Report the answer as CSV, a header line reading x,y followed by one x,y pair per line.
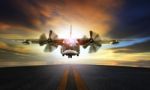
x,y
26,42
41,43
115,42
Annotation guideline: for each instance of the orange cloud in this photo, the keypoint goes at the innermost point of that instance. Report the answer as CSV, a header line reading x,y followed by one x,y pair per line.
x,y
97,14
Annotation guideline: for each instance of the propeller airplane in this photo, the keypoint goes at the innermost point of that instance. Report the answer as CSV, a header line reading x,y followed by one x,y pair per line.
x,y
69,47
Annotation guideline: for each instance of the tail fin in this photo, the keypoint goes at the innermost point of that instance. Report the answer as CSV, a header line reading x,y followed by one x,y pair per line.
x,y
70,31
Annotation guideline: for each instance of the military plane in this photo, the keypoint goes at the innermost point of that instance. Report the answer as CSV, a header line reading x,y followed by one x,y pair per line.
x,y
69,47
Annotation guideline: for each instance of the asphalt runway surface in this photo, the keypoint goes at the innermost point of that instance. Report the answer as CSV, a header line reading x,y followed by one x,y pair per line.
x,y
74,77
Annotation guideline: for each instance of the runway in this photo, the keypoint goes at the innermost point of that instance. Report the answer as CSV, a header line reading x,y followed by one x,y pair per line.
x,y
71,79
74,77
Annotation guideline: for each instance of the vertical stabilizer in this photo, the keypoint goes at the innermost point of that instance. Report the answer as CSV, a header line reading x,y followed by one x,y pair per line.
x,y
70,31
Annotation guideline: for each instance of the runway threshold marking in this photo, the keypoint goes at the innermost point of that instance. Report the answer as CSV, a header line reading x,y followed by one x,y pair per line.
x,y
79,81
63,81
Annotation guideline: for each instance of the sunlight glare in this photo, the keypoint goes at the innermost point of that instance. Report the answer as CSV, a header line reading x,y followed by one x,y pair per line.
x,y
77,32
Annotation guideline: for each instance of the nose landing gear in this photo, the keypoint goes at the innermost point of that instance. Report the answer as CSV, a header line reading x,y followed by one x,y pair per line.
x,y
69,56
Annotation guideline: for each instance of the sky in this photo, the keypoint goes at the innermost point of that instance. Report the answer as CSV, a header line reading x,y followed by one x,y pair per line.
x,y
112,19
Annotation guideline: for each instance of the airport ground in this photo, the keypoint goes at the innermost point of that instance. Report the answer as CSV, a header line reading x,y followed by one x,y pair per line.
x,y
74,77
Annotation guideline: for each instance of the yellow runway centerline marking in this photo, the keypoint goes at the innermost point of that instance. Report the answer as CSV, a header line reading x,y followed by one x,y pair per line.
x,y
80,84
63,81
79,81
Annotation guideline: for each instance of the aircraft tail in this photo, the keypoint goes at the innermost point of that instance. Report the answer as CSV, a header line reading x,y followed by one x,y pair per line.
x,y
70,31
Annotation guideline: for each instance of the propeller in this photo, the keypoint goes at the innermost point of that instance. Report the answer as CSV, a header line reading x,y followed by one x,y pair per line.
x,y
43,39
51,45
94,42
52,35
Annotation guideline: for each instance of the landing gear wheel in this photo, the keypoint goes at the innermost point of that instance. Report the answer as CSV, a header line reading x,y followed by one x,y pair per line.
x,y
69,56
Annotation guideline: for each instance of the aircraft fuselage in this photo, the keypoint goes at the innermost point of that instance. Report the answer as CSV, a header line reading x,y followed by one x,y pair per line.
x,y
70,48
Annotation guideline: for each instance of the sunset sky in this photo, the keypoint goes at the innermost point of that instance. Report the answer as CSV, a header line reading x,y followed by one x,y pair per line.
x,y
112,19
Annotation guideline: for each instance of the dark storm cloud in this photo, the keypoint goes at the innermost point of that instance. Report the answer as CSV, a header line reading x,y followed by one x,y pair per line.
x,y
11,14
33,13
28,13
21,12
133,20
136,48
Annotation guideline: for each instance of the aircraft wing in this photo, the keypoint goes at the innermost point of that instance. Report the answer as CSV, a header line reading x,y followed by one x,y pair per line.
x,y
39,41
87,41
83,41
114,41
58,41
27,41
109,41
52,39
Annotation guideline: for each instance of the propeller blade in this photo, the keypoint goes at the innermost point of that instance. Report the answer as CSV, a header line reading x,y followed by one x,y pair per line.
x,y
84,37
91,34
93,48
86,45
94,42
51,45
50,48
43,37
97,38
50,34
98,43
55,37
